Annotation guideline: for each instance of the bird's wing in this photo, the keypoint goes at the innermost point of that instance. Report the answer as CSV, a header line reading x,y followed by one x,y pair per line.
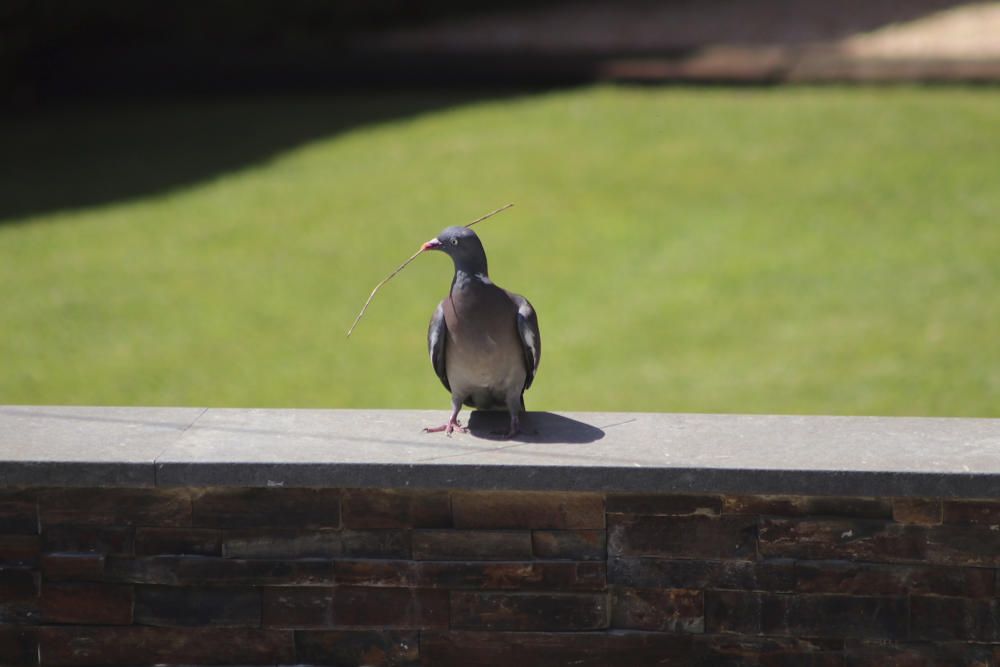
x,y
531,337
437,334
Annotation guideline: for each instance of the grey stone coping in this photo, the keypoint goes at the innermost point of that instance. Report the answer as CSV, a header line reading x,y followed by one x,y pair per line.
x,y
594,451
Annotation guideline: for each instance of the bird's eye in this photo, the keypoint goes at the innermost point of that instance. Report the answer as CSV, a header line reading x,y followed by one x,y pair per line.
x,y
454,241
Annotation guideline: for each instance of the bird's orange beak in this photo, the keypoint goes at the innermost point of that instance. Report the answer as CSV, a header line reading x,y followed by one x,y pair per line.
x,y
433,244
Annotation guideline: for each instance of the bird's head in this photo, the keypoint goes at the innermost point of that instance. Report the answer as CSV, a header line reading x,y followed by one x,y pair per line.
x,y
464,248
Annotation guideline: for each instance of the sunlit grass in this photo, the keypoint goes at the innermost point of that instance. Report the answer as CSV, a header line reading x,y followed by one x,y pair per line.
x,y
744,250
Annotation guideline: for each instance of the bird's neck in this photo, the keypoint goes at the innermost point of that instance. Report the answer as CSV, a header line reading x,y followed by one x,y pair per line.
x,y
470,267
466,277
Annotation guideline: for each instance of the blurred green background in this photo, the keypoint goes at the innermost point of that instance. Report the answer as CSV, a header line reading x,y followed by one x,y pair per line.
x,y
790,250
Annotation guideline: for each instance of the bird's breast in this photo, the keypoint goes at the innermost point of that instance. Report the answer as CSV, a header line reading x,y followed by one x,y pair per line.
x,y
483,348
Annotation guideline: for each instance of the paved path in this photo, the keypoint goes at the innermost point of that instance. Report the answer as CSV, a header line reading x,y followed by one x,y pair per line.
x,y
734,39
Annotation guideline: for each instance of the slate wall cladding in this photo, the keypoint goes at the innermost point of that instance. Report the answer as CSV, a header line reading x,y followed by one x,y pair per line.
x,y
284,576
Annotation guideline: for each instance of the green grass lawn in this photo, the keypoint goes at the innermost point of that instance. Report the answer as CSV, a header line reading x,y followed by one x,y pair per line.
x,y
791,250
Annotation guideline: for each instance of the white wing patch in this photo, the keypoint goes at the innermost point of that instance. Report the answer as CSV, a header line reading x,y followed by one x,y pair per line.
x,y
433,345
525,311
529,340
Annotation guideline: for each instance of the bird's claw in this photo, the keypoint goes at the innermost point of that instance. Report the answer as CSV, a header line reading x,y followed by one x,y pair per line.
x,y
448,428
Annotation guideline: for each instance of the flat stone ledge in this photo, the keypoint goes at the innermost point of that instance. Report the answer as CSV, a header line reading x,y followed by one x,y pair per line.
x,y
630,452
86,446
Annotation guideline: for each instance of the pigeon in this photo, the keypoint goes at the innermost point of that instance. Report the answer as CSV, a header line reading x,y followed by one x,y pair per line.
x,y
483,340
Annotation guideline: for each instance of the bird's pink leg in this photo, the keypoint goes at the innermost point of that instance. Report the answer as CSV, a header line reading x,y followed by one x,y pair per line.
x,y
453,423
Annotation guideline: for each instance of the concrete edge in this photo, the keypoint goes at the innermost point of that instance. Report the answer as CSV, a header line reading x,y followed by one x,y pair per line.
x,y
582,479
731,454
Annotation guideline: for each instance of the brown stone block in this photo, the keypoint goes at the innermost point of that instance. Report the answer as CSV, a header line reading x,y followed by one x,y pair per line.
x,y
735,612
471,545
86,604
842,539
297,607
295,543
480,575
972,512
20,612
18,493
921,511
276,543
797,506
663,504
527,509
75,567
379,508
17,584
196,570
569,544
686,537
875,579
90,539
831,616
16,550
166,541
646,648
382,573
19,515
347,606
376,543
260,508
721,574
738,651
218,606
923,654
408,608
18,646
528,611
554,649
511,575
357,647
119,507
482,649
972,545
658,609
70,646
944,618
157,570
842,616
592,575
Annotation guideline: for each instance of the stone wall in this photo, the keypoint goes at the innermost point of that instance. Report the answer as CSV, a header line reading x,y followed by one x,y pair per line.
x,y
304,576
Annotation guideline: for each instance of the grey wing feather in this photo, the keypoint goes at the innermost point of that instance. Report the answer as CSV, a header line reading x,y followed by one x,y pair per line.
x,y
437,334
531,337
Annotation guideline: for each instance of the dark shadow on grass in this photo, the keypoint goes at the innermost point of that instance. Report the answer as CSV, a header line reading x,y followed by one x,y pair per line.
x,y
643,26
72,154
86,154
536,427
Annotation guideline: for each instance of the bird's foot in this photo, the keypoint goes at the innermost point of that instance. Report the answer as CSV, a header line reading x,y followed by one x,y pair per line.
x,y
453,425
515,428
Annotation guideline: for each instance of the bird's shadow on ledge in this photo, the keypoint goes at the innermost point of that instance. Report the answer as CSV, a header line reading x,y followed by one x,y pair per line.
x,y
536,427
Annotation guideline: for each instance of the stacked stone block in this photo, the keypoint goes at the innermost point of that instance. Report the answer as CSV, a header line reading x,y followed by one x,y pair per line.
x,y
285,576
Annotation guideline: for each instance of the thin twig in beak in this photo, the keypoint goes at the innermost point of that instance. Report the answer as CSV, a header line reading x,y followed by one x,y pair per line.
x,y
403,266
